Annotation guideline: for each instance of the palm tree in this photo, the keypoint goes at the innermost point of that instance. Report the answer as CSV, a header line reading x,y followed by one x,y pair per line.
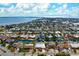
x,y
46,38
54,38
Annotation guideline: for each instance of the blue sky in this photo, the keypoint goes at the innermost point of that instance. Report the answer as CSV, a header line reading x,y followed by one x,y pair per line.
x,y
37,10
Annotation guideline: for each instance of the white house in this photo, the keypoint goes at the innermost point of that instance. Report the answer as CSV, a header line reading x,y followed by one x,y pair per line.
x,y
39,45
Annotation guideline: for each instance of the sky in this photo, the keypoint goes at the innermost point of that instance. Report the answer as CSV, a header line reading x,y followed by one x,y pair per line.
x,y
38,10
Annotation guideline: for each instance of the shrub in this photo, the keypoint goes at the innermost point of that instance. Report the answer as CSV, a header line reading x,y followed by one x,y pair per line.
x,y
62,54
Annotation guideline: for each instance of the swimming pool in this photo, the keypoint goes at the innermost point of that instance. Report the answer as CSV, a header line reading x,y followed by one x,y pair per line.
x,y
24,41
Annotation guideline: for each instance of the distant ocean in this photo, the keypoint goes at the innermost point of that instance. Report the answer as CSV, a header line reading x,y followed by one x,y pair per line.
x,y
15,20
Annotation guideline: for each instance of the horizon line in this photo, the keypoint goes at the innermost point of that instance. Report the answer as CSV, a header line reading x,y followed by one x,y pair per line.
x,y
36,17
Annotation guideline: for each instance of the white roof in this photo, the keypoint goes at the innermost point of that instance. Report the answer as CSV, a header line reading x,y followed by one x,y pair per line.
x,y
57,32
9,32
76,35
76,23
28,44
75,45
14,36
40,45
50,36
32,36
23,36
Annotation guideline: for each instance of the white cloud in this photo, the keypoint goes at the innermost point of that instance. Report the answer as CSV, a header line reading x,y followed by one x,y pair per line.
x,y
75,11
38,9
24,5
25,9
33,7
1,10
62,10
53,6
65,6
5,4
